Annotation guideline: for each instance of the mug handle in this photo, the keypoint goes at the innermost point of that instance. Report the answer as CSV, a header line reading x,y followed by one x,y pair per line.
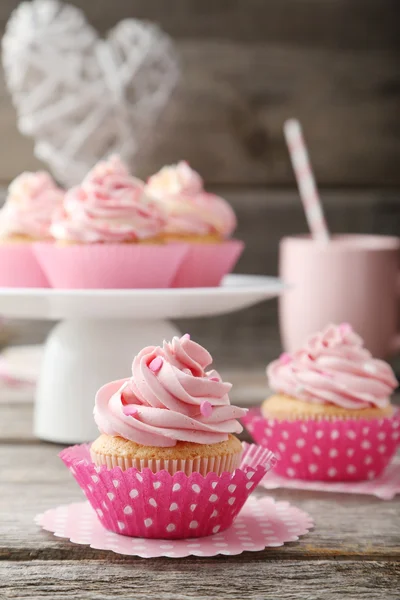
x,y
395,343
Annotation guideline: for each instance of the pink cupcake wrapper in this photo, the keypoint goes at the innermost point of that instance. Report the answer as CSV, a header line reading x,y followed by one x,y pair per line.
x,y
203,465
20,268
206,264
163,506
111,266
327,450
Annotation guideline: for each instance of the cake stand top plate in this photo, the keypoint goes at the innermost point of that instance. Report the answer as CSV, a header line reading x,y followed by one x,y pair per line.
x,y
235,293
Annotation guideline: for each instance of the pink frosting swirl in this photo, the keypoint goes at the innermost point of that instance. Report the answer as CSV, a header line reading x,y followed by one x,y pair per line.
x,y
169,398
334,368
191,210
109,206
32,200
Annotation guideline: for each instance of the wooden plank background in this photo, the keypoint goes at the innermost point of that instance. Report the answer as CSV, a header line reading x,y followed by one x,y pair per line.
x,y
250,64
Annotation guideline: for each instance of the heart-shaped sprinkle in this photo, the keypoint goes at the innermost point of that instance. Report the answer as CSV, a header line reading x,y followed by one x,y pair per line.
x,y
156,364
129,410
206,408
285,358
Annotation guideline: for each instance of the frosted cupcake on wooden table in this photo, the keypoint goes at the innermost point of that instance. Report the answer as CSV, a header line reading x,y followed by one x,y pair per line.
x,y
168,463
331,416
171,414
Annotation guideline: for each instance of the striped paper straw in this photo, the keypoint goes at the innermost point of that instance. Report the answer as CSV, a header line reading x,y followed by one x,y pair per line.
x,y
305,180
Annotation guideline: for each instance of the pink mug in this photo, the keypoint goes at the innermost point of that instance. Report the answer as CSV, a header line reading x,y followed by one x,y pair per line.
x,y
353,279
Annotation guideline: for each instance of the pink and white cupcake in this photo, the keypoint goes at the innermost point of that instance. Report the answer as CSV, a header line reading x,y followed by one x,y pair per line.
x,y
26,216
193,214
109,206
197,217
330,417
32,200
167,462
109,235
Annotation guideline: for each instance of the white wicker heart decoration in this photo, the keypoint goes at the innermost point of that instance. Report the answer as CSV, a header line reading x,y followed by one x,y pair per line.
x,y
81,97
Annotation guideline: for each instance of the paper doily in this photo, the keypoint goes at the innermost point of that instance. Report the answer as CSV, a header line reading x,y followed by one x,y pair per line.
x,y
384,487
262,523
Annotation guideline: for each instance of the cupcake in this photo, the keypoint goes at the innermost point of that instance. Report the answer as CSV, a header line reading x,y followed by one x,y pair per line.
x,y
193,214
26,216
330,417
32,200
171,414
109,206
109,235
167,463
197,217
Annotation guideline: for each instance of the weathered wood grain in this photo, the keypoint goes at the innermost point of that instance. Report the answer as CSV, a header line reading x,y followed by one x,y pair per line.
x,y
309,22
16,423
353,552
251,577
246,68
34,479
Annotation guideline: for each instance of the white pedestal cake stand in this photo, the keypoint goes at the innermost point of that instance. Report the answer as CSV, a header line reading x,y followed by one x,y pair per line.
x,y
99,333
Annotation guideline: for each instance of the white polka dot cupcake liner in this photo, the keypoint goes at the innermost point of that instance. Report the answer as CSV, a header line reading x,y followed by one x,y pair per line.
x,y
327,450
164,506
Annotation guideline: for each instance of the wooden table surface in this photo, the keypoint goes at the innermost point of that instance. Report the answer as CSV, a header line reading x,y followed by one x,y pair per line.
x,y
353,552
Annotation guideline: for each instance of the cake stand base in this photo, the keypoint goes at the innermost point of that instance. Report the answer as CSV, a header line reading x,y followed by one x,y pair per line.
x,y
80,356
